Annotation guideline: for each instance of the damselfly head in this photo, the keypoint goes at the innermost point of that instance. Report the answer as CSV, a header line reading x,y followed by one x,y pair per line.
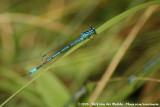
x,y
91,29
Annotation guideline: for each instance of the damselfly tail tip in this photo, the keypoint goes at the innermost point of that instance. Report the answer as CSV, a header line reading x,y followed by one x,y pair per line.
x,y
31,72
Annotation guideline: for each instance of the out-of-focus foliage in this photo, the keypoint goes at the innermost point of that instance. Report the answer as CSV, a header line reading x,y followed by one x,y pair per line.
x,y
29,29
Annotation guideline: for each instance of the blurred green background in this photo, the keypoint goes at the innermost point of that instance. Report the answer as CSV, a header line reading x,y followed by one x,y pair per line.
x,y
29,29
